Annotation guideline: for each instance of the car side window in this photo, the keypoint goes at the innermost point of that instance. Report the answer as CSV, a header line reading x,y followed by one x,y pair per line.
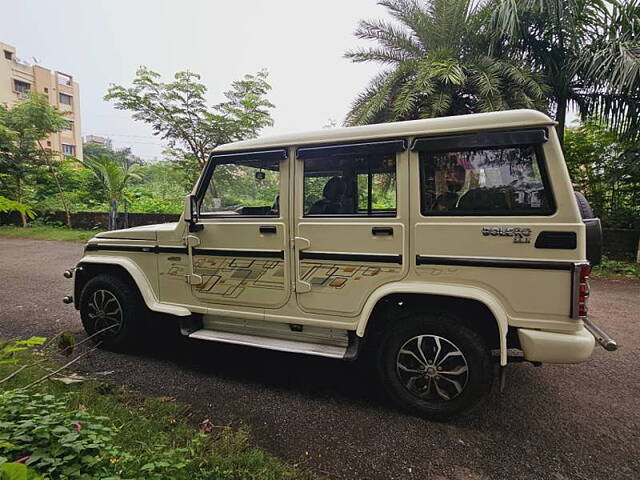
x,y
243,187
484,181
351,185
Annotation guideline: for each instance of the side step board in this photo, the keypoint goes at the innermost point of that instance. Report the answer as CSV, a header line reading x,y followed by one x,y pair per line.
x,y
282,345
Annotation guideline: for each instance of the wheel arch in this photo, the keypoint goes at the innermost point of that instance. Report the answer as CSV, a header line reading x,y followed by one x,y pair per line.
x,y
124,267
461,293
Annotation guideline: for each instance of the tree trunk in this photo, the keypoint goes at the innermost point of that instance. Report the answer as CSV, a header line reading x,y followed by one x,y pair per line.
x,y
561,118
65,206
23,216
113,214
62,197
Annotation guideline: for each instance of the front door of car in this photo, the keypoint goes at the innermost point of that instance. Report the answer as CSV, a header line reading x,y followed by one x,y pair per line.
x,y
350,223
240,255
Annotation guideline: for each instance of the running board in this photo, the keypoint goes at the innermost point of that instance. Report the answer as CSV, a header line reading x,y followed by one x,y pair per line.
x,y
280,344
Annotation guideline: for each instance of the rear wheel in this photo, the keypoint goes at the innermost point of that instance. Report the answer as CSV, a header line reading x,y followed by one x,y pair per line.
x,y
112,311
434,366
593,230
583,205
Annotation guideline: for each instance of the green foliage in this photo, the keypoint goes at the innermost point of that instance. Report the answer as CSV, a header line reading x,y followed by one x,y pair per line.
x,y
22,129
605,166
178,111
112,175
439,65
97,430
17,471
9,348
160,189
616,268
588,52
7,205
59,442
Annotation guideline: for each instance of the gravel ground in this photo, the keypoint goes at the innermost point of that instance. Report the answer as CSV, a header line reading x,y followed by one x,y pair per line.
x,y
553,422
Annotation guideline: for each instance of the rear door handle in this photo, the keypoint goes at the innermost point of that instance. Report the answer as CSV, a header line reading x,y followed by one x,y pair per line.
x,y
267,229
382,231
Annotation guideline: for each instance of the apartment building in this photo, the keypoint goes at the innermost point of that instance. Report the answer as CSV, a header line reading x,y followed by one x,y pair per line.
x,y
18,78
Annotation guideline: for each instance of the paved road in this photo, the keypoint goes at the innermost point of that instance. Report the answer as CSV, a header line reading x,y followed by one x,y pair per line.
x,y
553,422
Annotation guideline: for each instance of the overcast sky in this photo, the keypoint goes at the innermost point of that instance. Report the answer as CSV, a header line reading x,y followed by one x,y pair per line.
x,y
300,43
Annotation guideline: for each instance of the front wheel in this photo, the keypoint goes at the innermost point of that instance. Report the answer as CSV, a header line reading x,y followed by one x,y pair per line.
x,y
434,366
112,312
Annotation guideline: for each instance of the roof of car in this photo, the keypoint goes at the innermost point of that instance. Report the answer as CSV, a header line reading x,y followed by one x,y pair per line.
x,y
411,128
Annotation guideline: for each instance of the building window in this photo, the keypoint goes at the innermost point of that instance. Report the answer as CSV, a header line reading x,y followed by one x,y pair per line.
x,y
46,90
48,143
8,55
66,99
64,79
68,126
68,149
22,88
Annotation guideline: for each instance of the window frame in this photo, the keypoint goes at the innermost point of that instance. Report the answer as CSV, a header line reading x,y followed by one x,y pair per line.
x,y
383,147
17,81
73,147
61,94
220,158
540,159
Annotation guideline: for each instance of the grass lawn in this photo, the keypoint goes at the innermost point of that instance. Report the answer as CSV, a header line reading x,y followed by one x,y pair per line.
x,y
42,232
138,437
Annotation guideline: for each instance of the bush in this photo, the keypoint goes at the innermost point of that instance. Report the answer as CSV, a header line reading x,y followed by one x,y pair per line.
x,y
616,268
53,439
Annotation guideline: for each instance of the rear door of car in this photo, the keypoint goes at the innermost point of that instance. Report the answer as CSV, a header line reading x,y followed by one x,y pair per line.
x,y
350,223
486,213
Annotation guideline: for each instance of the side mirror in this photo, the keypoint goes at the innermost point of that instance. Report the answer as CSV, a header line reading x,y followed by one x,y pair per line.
x,y
191,213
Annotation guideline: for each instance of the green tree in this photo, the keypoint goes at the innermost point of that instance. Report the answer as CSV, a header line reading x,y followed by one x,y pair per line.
x,y
114,177
7,205
587,50
605,165
23,128
178,111
439,64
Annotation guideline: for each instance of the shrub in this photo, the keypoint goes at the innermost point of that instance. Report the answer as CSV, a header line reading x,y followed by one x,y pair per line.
x,y
51,438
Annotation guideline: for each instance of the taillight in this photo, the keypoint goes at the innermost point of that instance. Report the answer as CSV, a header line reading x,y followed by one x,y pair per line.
x,y
583,290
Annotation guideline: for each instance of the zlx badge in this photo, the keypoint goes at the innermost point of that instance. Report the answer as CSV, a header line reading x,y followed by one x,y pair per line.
x,y
519,234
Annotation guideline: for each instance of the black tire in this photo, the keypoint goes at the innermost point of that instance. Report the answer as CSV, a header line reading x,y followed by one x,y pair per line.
x,y
118,295
583,206
452,334
593,230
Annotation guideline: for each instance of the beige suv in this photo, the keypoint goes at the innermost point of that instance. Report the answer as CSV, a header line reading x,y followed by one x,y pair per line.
x,y
432,246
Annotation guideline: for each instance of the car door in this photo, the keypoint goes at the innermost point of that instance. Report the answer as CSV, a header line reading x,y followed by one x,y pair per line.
x,y
239,255
350,223
483,206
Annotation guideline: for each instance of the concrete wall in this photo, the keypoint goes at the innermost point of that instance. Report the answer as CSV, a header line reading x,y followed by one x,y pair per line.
x,y
621,244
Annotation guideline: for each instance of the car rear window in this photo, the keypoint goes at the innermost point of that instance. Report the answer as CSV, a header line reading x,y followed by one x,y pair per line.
x,y
508,180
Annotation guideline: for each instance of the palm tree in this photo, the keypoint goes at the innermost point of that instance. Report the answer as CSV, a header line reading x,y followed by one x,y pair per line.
x,y
439,64
114,176
587,50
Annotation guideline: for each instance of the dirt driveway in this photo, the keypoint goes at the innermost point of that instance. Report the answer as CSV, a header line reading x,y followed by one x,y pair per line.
x,y
552,422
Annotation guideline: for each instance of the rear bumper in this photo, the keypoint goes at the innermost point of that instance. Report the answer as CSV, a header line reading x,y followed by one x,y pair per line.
x,y
556,347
